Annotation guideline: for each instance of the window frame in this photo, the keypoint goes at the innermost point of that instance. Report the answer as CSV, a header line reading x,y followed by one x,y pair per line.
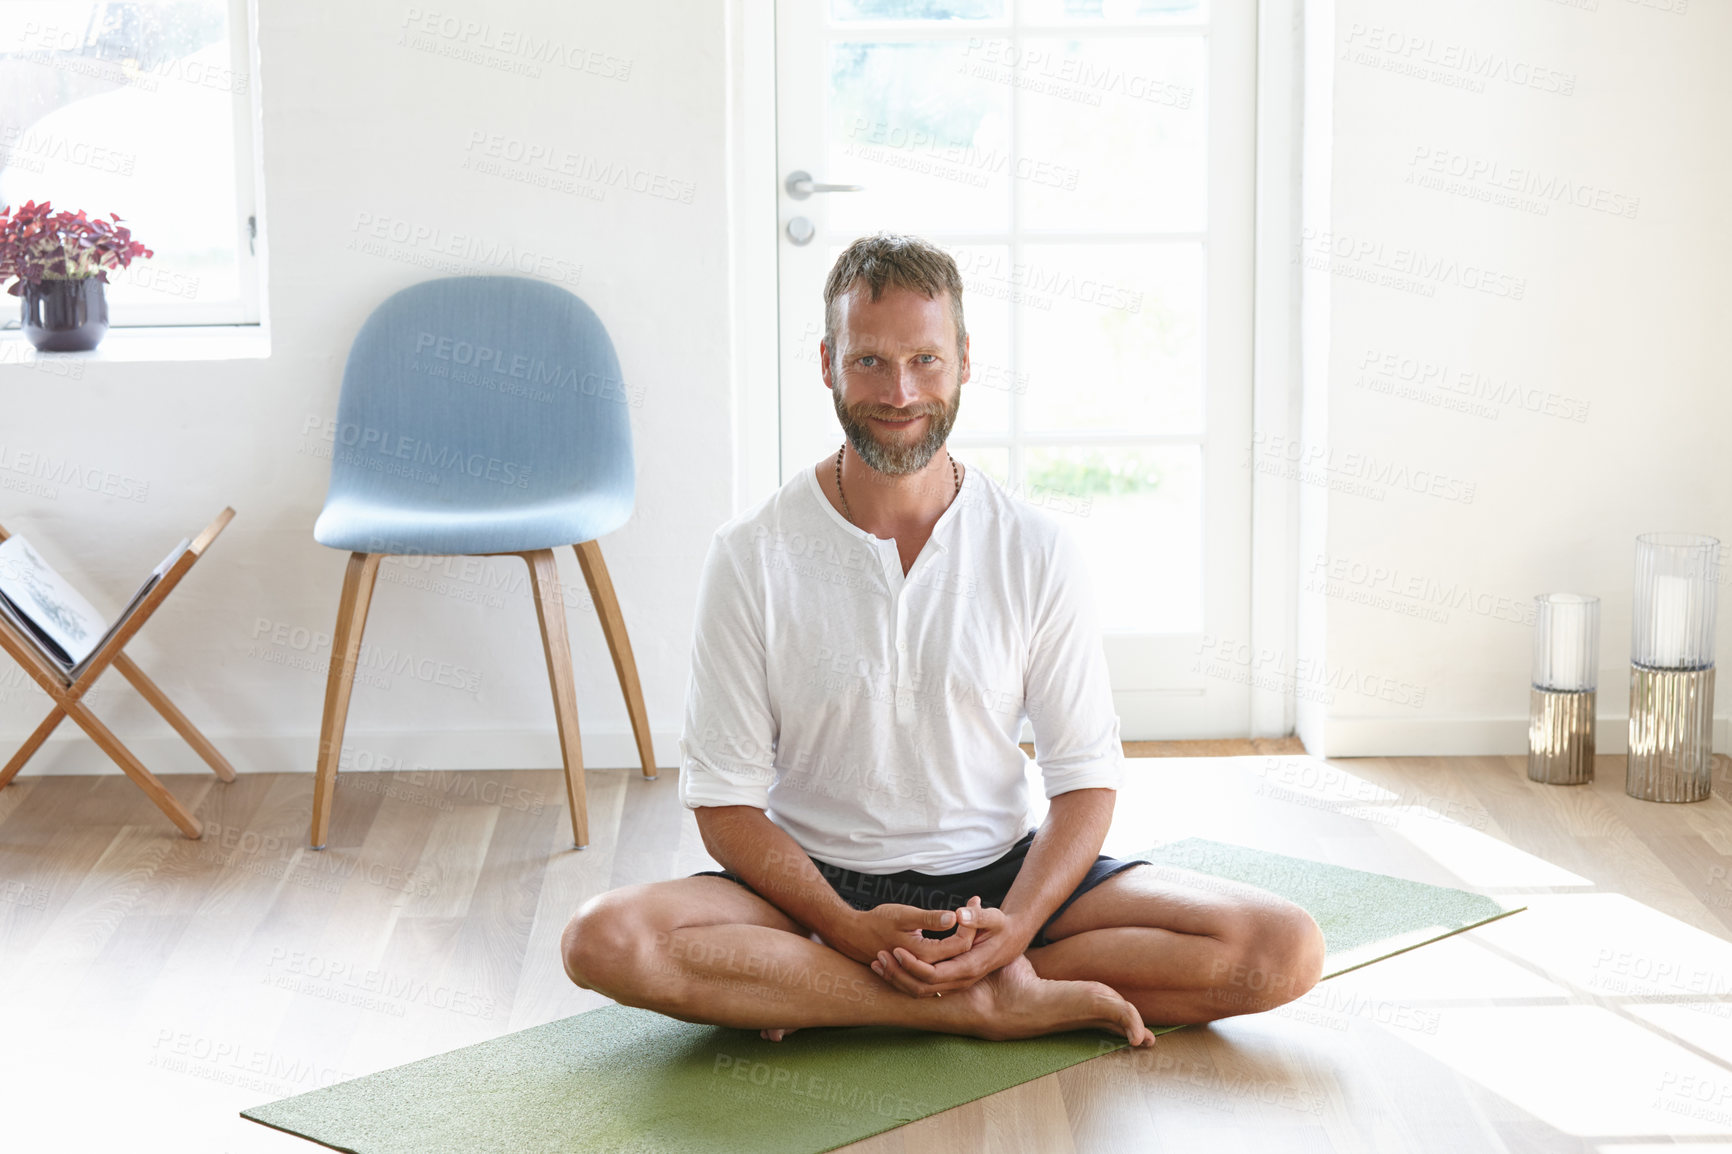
x,y
248,307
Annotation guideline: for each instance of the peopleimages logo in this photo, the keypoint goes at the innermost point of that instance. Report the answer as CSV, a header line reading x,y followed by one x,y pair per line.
x,y
1460,389
1428,57
490,152
409,456
448,34
28,148
425,245
1351,470
1045,282
961,161
65,471
1365,258
480,358
1072,77
1527,186
1377,585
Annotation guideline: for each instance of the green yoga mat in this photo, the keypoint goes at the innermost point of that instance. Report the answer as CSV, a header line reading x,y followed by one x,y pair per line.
x,y
621,1079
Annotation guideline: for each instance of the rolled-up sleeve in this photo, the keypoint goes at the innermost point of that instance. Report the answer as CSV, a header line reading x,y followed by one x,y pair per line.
x,y
1067,693
727,746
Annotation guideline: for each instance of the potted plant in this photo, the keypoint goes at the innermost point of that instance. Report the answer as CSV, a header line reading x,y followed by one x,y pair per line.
x,y
58,262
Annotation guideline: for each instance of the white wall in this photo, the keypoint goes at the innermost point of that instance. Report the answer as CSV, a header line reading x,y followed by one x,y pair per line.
x,y
1616,321
1612,314
360,125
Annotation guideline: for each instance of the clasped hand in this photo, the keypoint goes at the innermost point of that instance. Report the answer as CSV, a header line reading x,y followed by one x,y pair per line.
x,y
889,936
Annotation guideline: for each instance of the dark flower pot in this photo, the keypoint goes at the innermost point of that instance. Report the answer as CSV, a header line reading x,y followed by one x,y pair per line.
x,y
65,316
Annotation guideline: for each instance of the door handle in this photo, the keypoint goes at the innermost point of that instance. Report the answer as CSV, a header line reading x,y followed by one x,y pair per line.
x,y
800,185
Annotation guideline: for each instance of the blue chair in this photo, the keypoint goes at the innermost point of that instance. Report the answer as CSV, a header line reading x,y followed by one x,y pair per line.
x,y
481,415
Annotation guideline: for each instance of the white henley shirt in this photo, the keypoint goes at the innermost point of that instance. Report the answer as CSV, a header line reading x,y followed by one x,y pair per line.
x,y
874,716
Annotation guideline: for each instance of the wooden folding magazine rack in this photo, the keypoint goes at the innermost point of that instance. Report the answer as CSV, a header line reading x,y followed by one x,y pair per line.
x,y
67,683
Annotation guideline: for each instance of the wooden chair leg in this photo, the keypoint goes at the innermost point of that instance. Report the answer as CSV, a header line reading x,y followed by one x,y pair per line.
x,y
340,682
148,690
550,609
31,745
134,769
619,644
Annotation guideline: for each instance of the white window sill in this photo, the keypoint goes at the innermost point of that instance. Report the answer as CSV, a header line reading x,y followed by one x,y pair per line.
x,y
165,343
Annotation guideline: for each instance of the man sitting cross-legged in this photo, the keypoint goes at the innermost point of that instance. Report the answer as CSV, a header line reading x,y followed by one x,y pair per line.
x,y
868,642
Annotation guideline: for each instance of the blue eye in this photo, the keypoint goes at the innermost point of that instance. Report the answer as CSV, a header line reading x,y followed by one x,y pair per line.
x,y
927,358
863,361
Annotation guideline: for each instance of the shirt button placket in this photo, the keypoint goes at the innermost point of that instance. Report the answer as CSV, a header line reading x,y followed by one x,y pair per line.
x,y
898,654
901,652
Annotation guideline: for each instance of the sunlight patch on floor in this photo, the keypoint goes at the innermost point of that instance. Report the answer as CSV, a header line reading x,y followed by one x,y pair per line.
x,y
1583,1069
1611,944
1477,858
1455,969
1705,1025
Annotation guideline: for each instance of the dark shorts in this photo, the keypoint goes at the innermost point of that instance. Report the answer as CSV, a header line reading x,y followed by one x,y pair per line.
x,y
948,891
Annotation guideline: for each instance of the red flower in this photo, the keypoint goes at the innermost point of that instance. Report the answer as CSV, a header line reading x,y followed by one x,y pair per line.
x,y
38,244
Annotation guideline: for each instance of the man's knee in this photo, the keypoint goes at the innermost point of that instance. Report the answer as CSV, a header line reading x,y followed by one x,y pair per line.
x,y
1276,957
1295,945
602,939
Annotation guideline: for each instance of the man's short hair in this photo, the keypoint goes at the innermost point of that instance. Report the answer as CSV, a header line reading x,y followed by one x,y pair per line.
x,y
895,260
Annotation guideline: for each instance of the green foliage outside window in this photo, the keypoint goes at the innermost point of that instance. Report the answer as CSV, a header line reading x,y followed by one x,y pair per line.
x,y
1094,473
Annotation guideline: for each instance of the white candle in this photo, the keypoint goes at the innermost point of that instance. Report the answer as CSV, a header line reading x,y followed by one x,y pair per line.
x,y
1668,631
1566,657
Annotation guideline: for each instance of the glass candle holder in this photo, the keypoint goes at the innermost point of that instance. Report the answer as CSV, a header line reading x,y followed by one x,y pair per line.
x,y
1561,697
1672,667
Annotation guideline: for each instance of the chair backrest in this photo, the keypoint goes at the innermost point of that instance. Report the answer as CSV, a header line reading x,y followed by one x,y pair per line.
x,y
479,393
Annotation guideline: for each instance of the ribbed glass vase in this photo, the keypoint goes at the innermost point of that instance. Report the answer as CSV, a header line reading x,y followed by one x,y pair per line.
x,y
1672,667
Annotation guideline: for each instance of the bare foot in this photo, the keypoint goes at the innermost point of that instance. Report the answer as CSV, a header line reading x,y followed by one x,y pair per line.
x,y
1015,1002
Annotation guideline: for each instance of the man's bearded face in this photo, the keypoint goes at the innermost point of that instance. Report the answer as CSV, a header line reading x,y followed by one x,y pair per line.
x,y
898,449
901,361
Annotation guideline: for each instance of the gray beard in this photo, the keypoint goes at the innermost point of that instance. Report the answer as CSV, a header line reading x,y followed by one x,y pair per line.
x,y
898,460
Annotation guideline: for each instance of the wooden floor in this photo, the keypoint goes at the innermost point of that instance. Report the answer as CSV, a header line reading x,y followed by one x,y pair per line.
x,y
154,986
1233,747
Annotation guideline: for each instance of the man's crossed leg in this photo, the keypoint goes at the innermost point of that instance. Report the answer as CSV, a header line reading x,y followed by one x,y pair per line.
x,y
1150,944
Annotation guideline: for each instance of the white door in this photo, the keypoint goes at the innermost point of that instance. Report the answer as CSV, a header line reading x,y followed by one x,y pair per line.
x,y
1089,163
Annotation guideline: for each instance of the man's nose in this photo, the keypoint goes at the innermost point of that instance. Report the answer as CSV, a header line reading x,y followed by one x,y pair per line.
x,y
904,387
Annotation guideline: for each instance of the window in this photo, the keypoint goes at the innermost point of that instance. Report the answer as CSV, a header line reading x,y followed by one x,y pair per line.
x,y
1088,163
144,109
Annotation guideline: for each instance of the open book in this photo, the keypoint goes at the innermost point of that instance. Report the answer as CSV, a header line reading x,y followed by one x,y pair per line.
x,y
52,615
